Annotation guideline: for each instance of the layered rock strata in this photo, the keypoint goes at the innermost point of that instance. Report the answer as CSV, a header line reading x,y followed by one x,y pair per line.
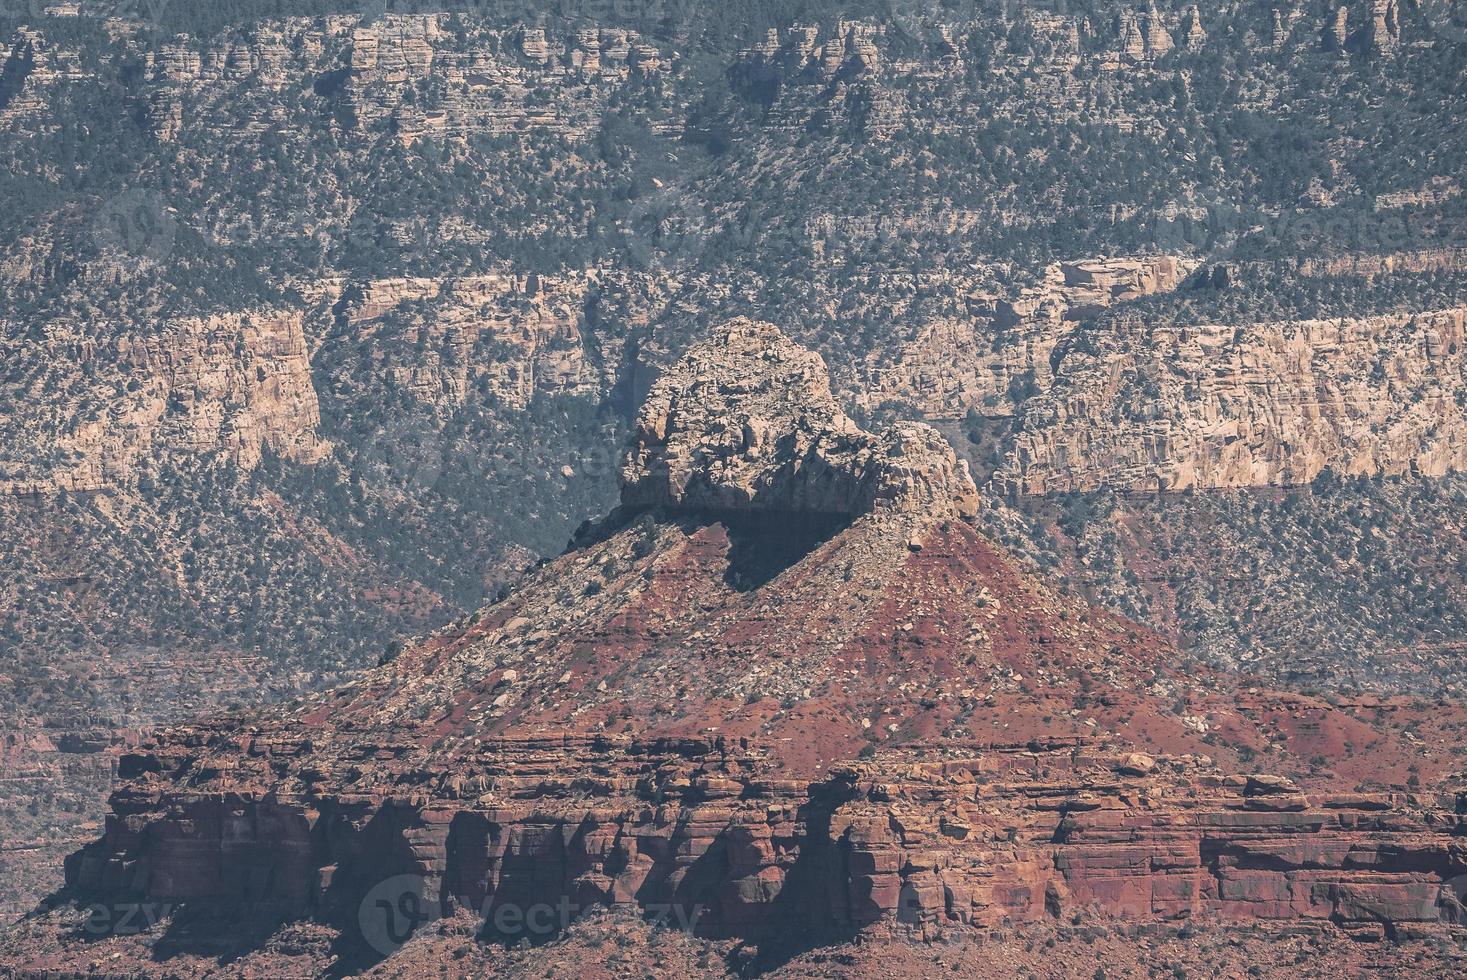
x,y
514,337
1276,403
231,384
833,718
992,361
933,838
487,80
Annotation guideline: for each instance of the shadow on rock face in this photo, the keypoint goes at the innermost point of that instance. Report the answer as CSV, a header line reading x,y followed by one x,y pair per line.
x,y
763,545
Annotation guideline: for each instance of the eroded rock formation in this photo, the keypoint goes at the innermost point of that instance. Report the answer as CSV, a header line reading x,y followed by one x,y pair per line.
x,y
788,723
1269,404
748,422
492,80
228,384
933,838
511,337
993,360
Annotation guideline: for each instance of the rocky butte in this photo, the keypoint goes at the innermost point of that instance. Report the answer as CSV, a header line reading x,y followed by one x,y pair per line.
x,y
788,685
749,424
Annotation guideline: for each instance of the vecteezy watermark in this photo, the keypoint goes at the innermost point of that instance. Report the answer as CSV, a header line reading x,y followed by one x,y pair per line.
x,y
665,228
149,12
138,222
1347,227
393,910
25,9
673,226
371,11
921,21
1445,18
413,451
122,918
1383,229
914,20
409,449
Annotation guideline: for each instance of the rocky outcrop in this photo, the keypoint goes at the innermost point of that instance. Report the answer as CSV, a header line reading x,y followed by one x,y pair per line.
x,y
1373,266
229,384
513,337
1381,31
1192,34
932,841
783,725
747,422
486,80
1272,404
1143,36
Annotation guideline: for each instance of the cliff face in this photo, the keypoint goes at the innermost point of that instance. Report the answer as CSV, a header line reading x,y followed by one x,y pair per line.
x,y
1186,407
502,232
91,414
505,338
1117,404
998,356
407,75
315,87
933,842
1264,405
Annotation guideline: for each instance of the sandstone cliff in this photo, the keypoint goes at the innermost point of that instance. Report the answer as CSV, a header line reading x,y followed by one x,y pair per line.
x,y
92,413
934,841
505,336
408,75
1203,407
391,168
992,360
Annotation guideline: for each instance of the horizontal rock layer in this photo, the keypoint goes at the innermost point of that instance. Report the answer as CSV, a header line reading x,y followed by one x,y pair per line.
x,y
1205,407
931,839
232,384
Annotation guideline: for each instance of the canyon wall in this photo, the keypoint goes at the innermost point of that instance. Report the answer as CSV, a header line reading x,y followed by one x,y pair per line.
x,y
408,75
501,336
1138,408
516,335
1135,405
747,422
102,407
1004,835
1001,353
891,723
97,407
1206,407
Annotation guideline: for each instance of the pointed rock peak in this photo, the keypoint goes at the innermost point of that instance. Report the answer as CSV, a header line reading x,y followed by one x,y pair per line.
x,y
747,422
